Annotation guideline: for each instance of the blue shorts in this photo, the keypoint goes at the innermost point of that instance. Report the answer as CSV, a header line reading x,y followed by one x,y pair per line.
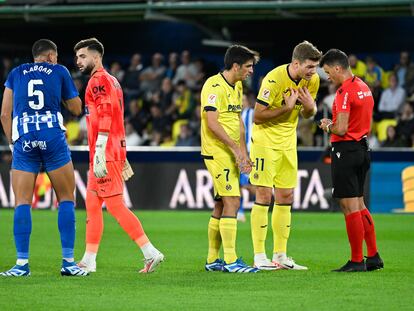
x,y
41,150
244,179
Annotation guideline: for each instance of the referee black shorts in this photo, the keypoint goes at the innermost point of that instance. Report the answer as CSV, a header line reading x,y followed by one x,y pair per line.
x,y
350,164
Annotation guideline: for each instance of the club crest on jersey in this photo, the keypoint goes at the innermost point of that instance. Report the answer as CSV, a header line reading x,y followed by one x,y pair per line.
x,y
228,187
212,99
266,94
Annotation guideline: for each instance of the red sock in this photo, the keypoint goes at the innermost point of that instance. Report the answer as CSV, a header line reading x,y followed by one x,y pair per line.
x,y
369,230
355,230
128,221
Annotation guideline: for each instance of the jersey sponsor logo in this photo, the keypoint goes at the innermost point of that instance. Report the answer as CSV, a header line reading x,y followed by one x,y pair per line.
x,y
98,89
39,118
233,108
103,180
29,145
212,99
265,94
362,94
345,102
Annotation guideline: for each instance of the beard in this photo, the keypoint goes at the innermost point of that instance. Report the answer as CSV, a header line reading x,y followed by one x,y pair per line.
x,y
88,69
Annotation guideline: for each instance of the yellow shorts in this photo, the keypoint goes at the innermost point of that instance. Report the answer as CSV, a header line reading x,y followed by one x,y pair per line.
x,y
225,175
274,168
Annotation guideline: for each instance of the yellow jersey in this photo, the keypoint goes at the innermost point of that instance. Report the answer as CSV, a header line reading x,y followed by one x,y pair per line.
x,y
360,69
219,95
280,133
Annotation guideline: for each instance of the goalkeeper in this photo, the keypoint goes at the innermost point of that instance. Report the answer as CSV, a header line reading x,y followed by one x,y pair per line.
x,y
108,166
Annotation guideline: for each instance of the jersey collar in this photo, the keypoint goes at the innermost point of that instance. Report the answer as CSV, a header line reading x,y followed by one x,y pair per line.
x,y
99,70
295,81
221,74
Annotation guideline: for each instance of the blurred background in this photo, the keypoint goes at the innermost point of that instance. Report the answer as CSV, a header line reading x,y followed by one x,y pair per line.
x,y
163,51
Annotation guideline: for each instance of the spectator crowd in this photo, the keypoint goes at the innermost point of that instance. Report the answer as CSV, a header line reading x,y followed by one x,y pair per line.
x,y
162,100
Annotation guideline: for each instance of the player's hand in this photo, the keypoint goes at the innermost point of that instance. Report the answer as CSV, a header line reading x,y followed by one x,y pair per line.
x,y
99,159
324,123
290,100
127,171
246,166
306,98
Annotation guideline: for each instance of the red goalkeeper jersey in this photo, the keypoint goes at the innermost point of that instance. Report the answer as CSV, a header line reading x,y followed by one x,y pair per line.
x,y
104,105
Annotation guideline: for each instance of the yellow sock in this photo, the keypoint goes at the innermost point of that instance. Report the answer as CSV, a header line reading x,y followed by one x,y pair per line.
x,y
214,239
228,231
259,221
281,218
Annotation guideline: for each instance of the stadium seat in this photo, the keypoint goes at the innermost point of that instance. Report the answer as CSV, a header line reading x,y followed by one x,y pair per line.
x,y
381,128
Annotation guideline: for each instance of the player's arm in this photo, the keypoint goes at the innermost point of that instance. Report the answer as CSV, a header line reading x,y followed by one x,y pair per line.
x,y
246,165
104,109
263,113
215,127
6,113
74,105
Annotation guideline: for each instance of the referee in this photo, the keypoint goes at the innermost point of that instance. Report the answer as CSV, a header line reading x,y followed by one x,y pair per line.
x,y
351,114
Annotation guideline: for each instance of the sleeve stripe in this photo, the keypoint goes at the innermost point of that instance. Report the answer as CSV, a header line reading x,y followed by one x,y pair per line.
x,y
210,108
262,102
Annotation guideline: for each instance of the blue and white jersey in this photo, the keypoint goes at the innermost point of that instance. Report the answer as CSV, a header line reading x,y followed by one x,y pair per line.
x,y
247,116
38,89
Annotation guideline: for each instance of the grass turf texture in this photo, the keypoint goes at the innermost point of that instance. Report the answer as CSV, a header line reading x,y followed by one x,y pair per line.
x,y
317,240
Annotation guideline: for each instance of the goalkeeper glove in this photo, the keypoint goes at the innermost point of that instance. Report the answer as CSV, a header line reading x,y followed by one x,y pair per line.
x,y
127,171
99,159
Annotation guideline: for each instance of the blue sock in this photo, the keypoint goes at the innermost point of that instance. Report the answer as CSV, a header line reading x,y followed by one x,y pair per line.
x,y
66,224
22,230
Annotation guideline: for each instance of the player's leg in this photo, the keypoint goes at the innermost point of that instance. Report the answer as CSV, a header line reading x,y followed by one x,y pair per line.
x,y
285,181
111,190
261,177
94,230
133,227
374,260
23,185
214,262
59,167
25,166
346,187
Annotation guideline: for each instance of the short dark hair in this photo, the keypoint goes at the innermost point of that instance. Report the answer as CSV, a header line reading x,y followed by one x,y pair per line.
x,y
91,44
239,54
41,46
306,50
335,57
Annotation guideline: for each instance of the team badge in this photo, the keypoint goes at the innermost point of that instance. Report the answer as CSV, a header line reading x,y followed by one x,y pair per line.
x,y
228,187
212,99
256,176
266,94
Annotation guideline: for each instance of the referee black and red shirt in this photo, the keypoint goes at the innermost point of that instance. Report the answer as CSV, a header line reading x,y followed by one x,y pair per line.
x,y
353,97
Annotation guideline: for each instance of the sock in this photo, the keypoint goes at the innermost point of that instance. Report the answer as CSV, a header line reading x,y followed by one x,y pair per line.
x,y
259,222
126,219
66,224
89,257
355,230
22,262
149,250
281,219
94,222
214,239
369,232
22,230
228,232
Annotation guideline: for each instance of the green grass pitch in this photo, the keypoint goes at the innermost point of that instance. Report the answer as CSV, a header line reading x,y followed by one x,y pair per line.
x,y
317,240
